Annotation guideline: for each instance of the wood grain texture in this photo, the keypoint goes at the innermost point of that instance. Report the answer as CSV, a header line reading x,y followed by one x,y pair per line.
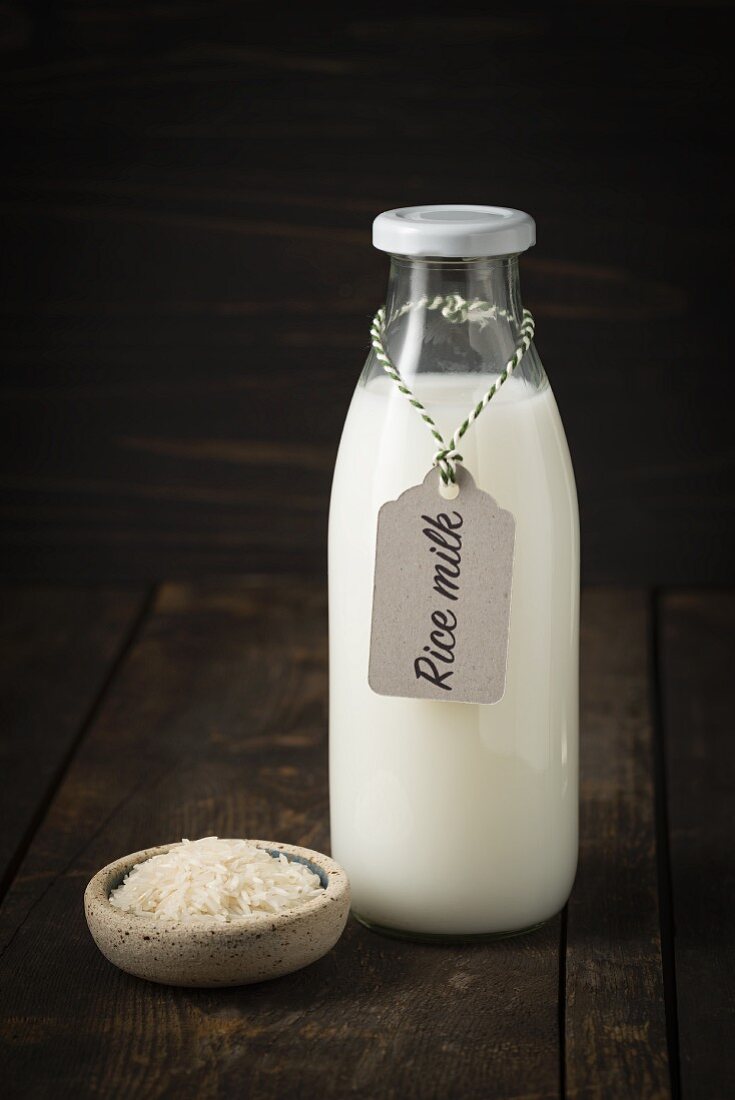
x,y
697,653
188,277
615,1031
57,647
216,723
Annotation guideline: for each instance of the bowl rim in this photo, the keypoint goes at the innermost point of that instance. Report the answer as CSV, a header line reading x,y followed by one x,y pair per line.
x,y
97,896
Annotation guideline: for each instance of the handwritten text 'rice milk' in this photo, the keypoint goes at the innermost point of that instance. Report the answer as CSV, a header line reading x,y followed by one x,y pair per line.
x,y
445,544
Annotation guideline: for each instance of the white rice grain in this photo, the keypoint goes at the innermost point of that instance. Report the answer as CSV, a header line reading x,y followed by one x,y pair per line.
x,y
225,880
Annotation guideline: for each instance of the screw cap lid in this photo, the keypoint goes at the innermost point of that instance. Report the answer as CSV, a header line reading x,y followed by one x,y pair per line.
x,y
454,231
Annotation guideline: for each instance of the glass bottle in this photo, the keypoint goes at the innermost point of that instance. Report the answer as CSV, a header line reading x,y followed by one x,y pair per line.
x,y
457,820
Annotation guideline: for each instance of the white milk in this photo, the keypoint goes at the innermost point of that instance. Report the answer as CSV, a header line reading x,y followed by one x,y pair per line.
x,y
454,818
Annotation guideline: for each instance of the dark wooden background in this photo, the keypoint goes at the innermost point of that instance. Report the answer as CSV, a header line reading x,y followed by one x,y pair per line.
x,y
188,277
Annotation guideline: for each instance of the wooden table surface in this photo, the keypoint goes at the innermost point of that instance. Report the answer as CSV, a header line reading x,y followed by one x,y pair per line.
x,y
136,717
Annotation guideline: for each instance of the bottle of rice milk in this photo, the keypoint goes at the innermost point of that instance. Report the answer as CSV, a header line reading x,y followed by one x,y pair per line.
x,y
454,632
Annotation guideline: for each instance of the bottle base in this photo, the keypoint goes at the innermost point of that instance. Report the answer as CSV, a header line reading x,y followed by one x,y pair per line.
x,y
441,937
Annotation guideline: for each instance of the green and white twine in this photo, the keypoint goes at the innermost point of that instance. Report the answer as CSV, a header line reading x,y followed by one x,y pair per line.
x,y
455,309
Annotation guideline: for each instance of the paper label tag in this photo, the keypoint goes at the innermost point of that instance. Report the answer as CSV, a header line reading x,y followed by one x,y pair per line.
x,y
441,601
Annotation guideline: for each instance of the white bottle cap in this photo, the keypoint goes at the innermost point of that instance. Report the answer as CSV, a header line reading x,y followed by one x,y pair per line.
x,y
454,231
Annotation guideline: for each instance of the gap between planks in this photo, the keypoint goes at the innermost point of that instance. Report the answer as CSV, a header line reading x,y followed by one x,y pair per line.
x,y
62,647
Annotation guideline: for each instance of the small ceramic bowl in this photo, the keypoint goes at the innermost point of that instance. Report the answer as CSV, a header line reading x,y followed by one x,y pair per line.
x,y
235,953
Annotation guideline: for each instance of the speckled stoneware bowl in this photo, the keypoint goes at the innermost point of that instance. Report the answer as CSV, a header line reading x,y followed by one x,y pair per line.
x,y
236,953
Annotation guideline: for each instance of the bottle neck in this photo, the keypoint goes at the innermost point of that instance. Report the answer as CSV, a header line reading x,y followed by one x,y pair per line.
x,y
425,334
494,280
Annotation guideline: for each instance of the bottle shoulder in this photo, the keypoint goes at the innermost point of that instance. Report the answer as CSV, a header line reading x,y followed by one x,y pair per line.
x,y
422,371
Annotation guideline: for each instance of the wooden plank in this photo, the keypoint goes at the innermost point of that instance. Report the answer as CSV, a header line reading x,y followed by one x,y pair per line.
x,y
615,1016
216,723
697,655
57,646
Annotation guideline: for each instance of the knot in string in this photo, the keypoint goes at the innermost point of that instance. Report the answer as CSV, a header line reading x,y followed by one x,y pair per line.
x,y
456,310
445,459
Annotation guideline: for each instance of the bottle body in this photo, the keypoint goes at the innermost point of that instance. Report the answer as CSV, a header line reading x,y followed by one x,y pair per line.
x,y
457,819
